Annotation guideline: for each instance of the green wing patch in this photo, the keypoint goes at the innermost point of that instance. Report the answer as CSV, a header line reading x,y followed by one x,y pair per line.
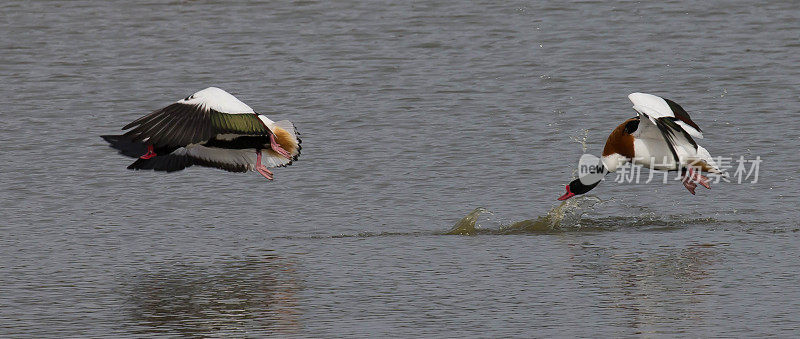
x,y
237,123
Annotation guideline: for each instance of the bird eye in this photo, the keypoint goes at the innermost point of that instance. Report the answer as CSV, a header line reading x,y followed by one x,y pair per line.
x,y
187,98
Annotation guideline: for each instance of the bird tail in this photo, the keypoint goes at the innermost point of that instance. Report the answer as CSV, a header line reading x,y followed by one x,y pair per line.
x,y
288,137
707,163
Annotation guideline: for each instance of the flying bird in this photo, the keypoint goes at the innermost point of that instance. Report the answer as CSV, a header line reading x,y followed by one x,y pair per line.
x,y
660,137
209,128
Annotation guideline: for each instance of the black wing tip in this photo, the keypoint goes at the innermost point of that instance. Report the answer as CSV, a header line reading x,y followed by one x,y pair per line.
x,y
672,127
681,114
125,145
668,139
111,138
162,163
163,126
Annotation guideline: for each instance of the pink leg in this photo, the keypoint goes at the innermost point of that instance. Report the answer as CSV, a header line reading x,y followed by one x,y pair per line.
x,y
261,168
277,147
687,182
699,178
149,153
689,186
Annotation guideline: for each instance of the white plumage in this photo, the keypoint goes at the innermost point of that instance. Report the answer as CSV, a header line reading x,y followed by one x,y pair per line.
x,y
218,100
654,107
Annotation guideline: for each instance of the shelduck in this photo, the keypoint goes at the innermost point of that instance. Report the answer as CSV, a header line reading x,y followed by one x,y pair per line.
x,y
660,137
209,128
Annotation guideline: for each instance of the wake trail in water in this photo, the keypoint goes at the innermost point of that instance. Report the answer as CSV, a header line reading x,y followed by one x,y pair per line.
x,y
568,216
564,217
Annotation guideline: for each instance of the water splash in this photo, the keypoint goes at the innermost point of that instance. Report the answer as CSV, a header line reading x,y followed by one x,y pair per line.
x,y
466,226
581,139
563,217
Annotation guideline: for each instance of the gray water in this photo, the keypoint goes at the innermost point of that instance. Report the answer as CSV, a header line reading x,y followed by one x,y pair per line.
x,y
412,116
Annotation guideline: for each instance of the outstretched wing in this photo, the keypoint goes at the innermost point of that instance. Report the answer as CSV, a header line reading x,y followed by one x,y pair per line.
x,y
670,118
655,107
196,118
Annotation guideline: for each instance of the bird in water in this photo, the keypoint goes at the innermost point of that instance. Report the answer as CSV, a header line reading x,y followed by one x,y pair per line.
x,y
209,128
660,137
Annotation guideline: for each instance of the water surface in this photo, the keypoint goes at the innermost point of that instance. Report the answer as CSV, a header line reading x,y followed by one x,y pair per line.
x,y
412,116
